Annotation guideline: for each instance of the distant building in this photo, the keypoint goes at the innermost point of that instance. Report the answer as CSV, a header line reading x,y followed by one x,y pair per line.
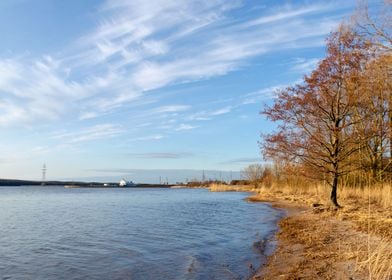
x,y
124,183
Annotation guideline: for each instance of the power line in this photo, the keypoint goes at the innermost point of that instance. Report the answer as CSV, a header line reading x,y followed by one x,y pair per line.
x,y
43,174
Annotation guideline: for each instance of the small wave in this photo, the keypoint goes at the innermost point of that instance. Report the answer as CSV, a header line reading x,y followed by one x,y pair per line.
x,y
193,265
259,246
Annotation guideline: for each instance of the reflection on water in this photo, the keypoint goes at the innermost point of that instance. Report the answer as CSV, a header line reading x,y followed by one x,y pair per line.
x,y
57,233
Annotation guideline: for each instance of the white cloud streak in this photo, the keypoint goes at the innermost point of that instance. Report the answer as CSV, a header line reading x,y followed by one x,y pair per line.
x,y
288,12
262,94
141,46
101,131
164,155
148,138
184,126
208,115
303,66
171,109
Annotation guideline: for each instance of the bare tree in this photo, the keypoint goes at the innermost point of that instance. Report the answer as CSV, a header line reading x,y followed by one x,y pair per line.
x,y
374,115
376,28
253,173
316,124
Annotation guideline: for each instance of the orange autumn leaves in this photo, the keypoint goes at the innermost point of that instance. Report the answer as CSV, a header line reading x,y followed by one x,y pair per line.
x,y
339,119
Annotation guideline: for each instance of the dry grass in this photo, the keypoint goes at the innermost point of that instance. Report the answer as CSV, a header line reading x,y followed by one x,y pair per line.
x,y
380,195
376,259
370,208
231,188
319,246
367,211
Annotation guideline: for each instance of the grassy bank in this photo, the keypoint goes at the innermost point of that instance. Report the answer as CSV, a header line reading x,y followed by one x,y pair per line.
x,y
231,188
369,208
318,241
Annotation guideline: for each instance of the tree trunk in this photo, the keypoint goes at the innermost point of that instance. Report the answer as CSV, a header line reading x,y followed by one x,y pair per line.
x,y
334,197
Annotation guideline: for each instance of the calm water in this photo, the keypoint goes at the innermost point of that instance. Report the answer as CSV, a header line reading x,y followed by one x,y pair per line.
x,y
58,233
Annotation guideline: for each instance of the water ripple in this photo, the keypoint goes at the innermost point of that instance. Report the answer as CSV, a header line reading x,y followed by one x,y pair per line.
x,y
57,233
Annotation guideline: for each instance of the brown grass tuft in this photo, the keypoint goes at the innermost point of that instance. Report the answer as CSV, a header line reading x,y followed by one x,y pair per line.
x,y
376,259
230,188
355,240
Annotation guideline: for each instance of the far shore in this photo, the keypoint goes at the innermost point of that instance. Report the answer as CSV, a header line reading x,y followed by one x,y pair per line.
x,y
74,184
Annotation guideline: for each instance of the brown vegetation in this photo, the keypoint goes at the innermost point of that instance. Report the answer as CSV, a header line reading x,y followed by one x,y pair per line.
x,y
338,122
321,242
216,187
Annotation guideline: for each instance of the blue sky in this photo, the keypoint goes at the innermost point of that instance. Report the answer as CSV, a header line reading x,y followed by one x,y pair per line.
x,y
98,88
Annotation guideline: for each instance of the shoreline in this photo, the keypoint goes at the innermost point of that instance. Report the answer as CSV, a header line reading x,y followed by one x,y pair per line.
x,y
268,246
272,243
317,242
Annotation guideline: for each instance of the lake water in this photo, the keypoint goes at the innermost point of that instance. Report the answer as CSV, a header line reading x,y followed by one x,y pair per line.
x,y
58,233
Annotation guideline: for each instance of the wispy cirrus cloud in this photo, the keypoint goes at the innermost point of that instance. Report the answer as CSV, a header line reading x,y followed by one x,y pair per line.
x,y
184,126
221,111
208,115
147,138
171,109
101,131
36,91
303,65
261,94
287,12
165,155
139,46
